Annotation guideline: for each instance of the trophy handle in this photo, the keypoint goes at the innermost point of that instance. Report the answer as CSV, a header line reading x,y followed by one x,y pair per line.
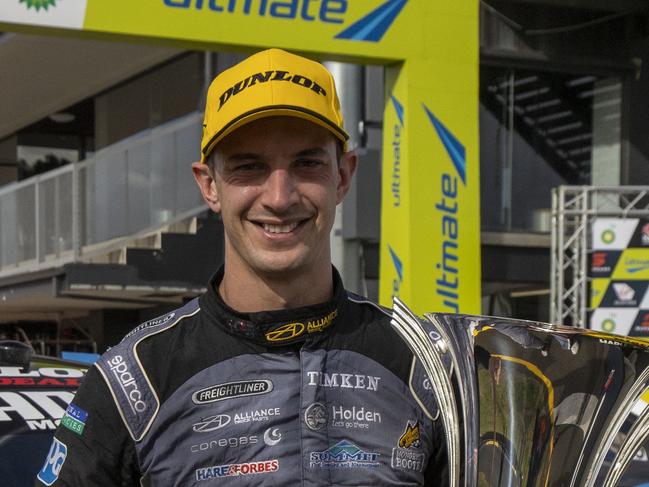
x,y
432,347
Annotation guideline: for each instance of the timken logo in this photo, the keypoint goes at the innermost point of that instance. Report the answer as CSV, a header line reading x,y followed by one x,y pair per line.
x,y
231,390
266,77
290,331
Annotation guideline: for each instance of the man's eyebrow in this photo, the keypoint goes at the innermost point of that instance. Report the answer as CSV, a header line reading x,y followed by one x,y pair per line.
x,y
244,156
313,151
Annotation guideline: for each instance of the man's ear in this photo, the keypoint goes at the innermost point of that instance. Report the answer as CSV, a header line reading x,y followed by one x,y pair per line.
x,y
207,184
346,170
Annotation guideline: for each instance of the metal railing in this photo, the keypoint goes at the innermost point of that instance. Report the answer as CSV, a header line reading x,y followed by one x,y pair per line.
x,y
574,209
95,206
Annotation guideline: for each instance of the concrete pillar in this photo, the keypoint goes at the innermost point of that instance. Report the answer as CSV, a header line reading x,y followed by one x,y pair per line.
x,y
346,252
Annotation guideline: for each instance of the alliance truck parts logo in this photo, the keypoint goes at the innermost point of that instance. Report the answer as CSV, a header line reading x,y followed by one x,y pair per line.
x,y
370,28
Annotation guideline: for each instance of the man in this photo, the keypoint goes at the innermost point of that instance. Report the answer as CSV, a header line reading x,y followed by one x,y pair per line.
x,y
276,375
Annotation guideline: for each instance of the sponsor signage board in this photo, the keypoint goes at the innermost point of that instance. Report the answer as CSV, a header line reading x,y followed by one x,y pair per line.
x,y
619,276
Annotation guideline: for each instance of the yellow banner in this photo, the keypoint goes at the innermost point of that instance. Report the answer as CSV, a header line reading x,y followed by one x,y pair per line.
x,y
371,29
430,225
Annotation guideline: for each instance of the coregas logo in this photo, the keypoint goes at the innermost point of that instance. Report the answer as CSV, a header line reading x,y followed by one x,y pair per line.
x,y
370,28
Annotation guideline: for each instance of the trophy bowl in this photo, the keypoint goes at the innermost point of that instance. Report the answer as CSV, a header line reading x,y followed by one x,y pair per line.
x,y
532,404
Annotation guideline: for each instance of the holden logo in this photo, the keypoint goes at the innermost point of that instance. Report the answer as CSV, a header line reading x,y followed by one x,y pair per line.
x,y
315,416
211,423
272,436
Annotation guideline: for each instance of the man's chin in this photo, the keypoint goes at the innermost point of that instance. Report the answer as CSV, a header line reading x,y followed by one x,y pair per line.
x,y
281,266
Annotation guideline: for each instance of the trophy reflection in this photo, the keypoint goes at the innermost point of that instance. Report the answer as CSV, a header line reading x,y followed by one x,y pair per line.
x,y
532,404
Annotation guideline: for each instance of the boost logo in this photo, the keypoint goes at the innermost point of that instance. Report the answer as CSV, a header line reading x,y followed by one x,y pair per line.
x,y
411,436
403,457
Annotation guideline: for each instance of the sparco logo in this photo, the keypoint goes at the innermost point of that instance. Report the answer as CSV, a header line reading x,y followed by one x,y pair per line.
x,y
232,389
211,423
119,368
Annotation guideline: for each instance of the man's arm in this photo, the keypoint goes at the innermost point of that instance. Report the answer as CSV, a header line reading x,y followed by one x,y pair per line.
x,y
436,474
102,453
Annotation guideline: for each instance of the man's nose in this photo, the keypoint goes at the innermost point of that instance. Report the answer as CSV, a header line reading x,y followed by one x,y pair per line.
x,y
281,190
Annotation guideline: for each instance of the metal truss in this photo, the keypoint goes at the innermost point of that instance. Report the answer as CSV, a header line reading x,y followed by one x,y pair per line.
x,y
574,208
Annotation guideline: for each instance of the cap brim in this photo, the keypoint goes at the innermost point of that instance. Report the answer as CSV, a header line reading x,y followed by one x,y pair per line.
x,y
275,111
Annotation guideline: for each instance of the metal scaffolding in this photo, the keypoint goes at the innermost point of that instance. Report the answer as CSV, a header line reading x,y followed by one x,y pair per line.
x,y
574,208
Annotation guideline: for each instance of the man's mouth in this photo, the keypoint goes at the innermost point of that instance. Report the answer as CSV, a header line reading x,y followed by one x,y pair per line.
x,y
289,227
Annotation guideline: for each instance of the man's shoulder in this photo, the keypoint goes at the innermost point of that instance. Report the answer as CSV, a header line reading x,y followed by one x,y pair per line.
x,y
160,323
381,312
122,370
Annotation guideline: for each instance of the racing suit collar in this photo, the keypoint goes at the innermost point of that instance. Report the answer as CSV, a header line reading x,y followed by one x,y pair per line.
x,y
276,327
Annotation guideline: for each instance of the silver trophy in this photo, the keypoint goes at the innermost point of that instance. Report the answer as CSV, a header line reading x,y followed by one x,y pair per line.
x,y
532,404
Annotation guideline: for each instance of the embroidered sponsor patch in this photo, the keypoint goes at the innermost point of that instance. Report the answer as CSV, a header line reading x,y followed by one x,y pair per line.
x,y
229,390
406,456
289,331
160,320
74,419
212,423
316,417
237,469
343,454
272,436
53,463
256,415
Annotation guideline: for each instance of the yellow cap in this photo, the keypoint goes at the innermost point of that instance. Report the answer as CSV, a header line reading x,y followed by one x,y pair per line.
x,y
270,83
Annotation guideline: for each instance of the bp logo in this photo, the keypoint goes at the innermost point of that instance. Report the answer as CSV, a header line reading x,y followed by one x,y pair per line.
x,y
608,236
39,4
608,325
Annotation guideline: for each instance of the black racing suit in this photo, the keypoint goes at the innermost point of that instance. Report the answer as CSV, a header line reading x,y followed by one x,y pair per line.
x,y
320,395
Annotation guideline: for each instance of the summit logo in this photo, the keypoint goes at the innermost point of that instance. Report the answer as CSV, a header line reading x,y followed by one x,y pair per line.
x,y
370,28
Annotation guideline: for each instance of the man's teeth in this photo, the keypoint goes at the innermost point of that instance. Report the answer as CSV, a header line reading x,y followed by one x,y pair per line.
x,y
280,228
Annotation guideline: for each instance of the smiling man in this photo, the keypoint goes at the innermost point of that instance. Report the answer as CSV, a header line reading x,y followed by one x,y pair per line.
x,y
276,375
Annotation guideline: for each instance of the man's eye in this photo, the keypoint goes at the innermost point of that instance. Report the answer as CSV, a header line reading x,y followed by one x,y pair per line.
x,y
251,166
309,162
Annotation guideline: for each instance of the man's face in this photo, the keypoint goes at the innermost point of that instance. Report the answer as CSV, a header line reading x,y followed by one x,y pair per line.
x,y
276,183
